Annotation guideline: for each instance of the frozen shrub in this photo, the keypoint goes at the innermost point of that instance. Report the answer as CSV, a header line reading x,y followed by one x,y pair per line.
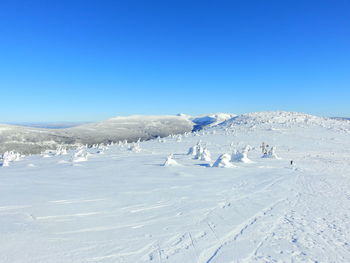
x,y
9,157
61,151
224,161
271,154
170,161
192,150
205,156
199,152
135,147
80,156
242,156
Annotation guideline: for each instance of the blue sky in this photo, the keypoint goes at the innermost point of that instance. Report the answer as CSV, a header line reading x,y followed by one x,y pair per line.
x,y
90,60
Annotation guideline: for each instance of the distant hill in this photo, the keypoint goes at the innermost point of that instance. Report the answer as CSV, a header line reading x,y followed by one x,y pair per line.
x,y
341,118
26,139
49,125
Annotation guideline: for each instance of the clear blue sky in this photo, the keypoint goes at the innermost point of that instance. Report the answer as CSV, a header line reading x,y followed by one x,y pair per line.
x,y
89,60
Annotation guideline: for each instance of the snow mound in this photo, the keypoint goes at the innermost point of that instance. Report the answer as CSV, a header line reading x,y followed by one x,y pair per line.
x,y
223,161
170,161
80,156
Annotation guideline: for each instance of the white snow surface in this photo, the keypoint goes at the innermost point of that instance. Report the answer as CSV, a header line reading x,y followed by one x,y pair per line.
x,y
125,206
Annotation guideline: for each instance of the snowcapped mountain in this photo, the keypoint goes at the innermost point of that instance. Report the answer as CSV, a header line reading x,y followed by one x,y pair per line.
x,y
282,119
341,118
209,120
130,128
48,125
259,187
35,140
31,140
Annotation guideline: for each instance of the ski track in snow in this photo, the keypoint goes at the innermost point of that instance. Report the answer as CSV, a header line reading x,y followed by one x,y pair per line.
x,y
123,206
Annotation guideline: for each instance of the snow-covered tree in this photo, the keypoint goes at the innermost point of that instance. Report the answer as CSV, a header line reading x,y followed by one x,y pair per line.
x,y
80,156
192,150
205,156
135,147
61,150
8,157
224,161
195,150
199,151
170,161
271,154
242,156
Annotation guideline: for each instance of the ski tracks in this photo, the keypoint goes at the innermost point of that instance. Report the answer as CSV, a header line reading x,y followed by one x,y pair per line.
x,y
229,241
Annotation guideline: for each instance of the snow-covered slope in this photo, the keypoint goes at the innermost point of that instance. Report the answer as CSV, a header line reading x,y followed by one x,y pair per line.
x,y
210,120
341,118
131,128
282,119
31,140
121,203
34,140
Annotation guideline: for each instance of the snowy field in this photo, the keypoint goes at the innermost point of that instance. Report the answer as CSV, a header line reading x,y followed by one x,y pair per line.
x,y
120,204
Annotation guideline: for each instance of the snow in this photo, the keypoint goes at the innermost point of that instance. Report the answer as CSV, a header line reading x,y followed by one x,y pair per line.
x,y
170,161
242,156
199,151
135,147
80,156
125,206
208,120
271,153
9,157
36,140
287,120
224,161
192,150
205,156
